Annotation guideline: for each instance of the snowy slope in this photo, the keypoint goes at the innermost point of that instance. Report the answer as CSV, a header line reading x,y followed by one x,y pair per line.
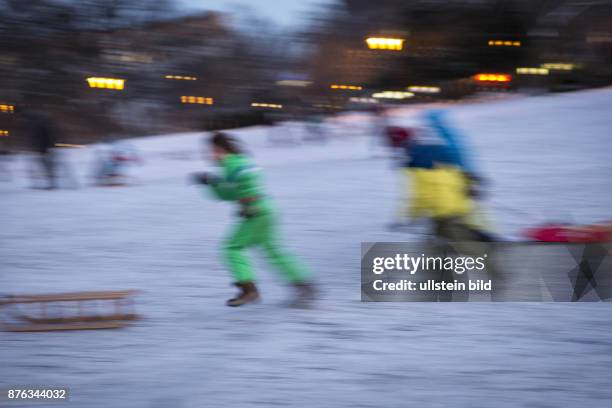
x,y
545,157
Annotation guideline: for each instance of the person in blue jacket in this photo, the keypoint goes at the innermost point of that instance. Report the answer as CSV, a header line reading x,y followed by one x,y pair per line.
x,y
444,179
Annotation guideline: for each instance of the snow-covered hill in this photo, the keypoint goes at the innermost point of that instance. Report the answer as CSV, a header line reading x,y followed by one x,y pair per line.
x,y
546,158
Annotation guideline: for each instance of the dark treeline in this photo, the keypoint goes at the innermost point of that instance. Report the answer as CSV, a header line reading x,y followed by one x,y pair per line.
x,y
50,47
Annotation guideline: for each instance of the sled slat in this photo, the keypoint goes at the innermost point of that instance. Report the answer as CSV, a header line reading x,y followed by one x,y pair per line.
x,y
66,326
80,319
68,297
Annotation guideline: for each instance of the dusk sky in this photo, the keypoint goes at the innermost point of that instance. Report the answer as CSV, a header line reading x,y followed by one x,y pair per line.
x,y
285,12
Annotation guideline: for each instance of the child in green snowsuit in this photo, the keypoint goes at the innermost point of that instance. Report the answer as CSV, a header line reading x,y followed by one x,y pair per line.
x,y
240,181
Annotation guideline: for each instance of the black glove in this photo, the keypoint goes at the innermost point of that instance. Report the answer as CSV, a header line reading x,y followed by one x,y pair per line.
x,y
203,178
248,212
476,185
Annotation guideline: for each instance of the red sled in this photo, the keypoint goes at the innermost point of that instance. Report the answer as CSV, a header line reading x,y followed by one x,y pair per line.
x,y
571,233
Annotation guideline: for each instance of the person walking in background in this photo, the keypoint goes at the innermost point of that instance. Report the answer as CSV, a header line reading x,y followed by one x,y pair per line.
x,y
50,162
5,155
240,181
43,137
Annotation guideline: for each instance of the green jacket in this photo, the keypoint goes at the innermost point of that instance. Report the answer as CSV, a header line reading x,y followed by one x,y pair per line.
x,y
240,181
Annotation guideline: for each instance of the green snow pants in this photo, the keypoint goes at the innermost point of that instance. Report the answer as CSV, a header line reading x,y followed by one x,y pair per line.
x,y
261,231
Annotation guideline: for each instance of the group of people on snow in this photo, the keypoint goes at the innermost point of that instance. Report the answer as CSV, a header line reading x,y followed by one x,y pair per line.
x,y
49,169
443,185
441,180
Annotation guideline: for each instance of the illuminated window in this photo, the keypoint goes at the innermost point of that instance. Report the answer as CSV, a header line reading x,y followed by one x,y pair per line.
x,y
7,108
532,71
493,77
350,87
424,89
504,43
199,100
266,105
392,95
380,43
181,77
106,83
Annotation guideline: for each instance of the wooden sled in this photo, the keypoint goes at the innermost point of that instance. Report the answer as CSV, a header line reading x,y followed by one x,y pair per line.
x,y
50,311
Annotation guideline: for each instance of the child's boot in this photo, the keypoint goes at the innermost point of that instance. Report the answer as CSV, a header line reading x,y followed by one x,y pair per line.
x,y
306,293
248,294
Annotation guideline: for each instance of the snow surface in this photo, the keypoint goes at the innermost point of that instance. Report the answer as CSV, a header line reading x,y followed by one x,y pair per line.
x,y
546,158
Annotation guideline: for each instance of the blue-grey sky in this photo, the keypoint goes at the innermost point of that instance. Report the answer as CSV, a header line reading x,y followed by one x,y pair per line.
x,y
285,12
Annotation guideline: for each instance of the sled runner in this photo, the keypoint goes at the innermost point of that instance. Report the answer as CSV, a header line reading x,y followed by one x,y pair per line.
x,y
67,311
